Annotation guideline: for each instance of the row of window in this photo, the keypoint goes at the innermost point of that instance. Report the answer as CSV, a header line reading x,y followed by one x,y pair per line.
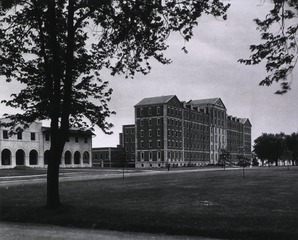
x,y
33,136
173,122
174,156
174,144
132,131
5,134
150,122
151,111
150,156
196,117
173,133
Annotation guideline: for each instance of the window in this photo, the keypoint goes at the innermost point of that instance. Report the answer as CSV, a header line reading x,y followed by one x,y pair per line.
x,y
33,136
158,121
95,156
150,122
142,123
150,133
158,132
159,155
158,143
76,139
142,144
141,111
132,131
149,111
5,134
150,144
20,135
158,110
142,155
47,137
142,133
85,140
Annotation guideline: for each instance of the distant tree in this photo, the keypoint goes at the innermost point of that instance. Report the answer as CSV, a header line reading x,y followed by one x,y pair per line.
x,y
292,145
279,47
255,161
274,147
243,161
58,49
262,147
224,158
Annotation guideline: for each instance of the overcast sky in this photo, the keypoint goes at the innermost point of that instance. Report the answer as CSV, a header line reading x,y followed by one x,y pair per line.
x,y
209,70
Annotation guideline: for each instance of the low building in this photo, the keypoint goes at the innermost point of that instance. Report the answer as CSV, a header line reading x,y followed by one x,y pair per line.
x,y
31,148
108,157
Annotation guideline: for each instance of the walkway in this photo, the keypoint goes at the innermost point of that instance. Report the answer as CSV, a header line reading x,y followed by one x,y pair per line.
x,y
12,231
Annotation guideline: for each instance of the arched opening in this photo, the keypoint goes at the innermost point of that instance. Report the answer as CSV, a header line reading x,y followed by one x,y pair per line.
x,y
6,157
46,157
67,157
20,157
33,157
86,157
77,157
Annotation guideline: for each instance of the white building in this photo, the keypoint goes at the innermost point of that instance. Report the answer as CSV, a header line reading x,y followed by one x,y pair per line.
x,y
31,148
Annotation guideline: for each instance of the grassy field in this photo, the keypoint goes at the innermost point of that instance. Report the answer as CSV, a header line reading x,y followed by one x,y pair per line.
x,y
219,204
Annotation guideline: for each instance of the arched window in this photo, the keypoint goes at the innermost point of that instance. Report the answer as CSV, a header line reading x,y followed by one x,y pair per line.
x,y
6,157
46,157
86,157
77,157
20,157
33,157
67,157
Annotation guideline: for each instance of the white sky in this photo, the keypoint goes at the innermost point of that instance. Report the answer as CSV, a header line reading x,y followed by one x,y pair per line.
x,y
209,70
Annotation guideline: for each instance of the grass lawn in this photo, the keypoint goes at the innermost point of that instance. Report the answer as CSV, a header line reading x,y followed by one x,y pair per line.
x,y
219,204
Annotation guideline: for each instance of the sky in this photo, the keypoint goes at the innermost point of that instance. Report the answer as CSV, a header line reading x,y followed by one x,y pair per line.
x,y
209,70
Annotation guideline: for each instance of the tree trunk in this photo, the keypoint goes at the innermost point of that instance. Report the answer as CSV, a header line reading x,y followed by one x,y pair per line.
x,y
53,198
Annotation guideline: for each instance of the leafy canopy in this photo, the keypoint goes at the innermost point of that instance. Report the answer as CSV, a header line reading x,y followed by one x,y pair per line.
x,y
279,47
58,49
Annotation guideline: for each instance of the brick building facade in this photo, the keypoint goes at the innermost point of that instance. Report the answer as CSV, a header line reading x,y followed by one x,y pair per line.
x,y
168,131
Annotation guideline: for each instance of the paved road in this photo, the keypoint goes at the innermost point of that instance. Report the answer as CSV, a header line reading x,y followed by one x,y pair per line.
x,y
91,174
12,231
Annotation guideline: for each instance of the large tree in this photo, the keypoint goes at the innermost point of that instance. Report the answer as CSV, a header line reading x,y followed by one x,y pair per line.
x,y
279,46
58,49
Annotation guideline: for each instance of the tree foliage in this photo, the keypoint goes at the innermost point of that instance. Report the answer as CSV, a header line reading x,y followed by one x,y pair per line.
x,y
279,47
58,50
275,147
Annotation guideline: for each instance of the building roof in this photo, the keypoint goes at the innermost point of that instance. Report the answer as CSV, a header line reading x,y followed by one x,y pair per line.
x,y
245,120
204,101
155,100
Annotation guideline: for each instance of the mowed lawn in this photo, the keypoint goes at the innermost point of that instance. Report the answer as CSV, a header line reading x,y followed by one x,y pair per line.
x,y
219,204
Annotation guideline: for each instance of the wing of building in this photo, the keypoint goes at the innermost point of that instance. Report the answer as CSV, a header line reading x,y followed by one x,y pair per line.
x,y
31,148
168,131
